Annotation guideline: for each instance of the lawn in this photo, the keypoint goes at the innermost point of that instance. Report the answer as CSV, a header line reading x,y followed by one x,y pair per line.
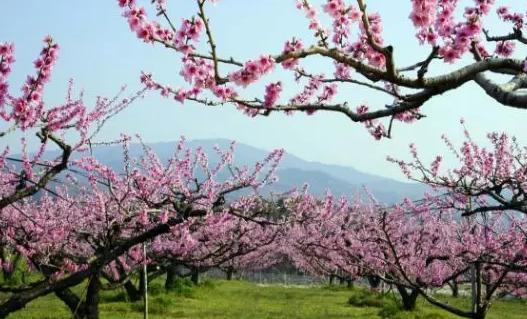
x,y
237,299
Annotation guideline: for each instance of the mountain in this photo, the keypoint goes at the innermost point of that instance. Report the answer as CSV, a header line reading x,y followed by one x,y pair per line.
x,y
293,171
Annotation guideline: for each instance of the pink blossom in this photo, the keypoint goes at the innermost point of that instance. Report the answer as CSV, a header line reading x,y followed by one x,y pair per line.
x,y
252,71
272,93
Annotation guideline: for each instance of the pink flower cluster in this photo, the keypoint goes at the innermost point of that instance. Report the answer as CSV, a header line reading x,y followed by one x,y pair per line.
x,y
28,108
407,117
335,8
198,72
505,48
375,128
6,60
512,17
252,71
292,46
309,91
272,94
311,15
328,92
179,95
189,31
224,92
343,17
150,31
138,22
423,12
361,49
342,71
435,20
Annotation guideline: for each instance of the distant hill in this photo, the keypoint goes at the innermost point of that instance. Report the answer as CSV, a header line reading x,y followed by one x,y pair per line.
x,y
293,171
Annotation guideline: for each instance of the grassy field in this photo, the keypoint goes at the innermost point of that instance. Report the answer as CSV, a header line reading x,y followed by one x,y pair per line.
x,y
236,299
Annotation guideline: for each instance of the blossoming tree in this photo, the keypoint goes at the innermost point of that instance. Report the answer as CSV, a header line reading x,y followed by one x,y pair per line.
x,y
28,113
70,235
76,237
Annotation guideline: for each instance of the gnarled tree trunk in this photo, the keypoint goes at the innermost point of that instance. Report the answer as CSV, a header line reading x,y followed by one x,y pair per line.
x,y
93,296
408,298
74,303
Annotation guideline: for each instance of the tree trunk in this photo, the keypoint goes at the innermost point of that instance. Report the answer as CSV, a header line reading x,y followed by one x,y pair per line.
x,y
92,296
350,283
478,306
131,290
170,281
331,279
89,309
374,281
76,306
229,273
194,277
408,299
455,288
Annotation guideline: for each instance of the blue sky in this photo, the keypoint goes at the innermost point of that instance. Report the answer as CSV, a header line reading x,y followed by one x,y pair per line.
x,y
101,54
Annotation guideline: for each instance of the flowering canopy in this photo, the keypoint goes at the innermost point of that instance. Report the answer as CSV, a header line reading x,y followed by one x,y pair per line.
x,y
453,30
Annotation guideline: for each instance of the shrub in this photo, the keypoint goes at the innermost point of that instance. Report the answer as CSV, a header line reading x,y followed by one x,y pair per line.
x,y
363,298
185,287
391,309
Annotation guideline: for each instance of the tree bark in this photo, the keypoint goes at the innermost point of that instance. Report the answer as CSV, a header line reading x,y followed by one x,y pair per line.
x,y
331,279
194,277
229,273
131,290
374,281
172,275
74,303
88,309
408,299
455,288
93,296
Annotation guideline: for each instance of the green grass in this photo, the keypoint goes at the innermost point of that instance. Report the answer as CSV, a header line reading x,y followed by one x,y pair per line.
x,y
237,299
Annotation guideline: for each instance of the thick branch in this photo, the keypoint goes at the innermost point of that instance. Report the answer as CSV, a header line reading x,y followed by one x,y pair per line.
x,y
505,94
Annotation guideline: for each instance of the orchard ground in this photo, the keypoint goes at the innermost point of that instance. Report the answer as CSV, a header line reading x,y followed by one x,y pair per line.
x,y
240,299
